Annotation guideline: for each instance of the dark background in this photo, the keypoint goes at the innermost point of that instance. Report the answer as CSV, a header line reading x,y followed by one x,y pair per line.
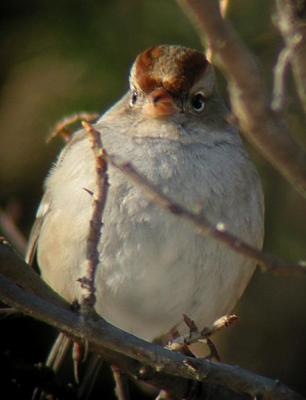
x,y
59,57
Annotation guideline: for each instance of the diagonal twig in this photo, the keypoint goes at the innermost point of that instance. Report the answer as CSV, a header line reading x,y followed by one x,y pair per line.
x,y
204,227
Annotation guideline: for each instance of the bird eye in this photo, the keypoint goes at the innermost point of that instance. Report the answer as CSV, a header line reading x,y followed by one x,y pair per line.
x,y
134,98
198,102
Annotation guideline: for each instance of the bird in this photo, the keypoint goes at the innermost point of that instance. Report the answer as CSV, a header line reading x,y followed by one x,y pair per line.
x,y
154,267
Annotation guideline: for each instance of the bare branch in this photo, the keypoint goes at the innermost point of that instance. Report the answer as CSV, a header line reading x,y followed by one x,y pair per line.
x,y
249,97
125,350
96,224
291,21
204,227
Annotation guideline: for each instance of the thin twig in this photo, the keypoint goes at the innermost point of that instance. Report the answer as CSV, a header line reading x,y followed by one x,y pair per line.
x,y
64,127
95,227
250,100
280,74
290,54
291,21
204,227
196,335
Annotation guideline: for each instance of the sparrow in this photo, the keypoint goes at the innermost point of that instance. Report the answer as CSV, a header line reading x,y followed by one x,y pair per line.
x,y
172,126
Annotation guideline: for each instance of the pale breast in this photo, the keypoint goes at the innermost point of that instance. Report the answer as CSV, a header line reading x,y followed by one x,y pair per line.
x,y
154,266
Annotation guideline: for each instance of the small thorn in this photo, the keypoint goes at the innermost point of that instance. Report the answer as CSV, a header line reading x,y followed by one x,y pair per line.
x,y
88,191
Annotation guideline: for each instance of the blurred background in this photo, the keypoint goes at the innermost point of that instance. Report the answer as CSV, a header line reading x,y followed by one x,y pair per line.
x,y
61,57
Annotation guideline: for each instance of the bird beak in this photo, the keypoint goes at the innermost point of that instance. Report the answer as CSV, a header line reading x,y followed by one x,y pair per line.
x,y
160,103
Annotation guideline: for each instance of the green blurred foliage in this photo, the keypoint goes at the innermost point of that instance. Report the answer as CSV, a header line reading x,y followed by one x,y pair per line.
x,y
59,57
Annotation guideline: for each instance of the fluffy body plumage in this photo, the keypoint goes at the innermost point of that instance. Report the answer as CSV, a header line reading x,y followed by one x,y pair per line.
x,y
154,266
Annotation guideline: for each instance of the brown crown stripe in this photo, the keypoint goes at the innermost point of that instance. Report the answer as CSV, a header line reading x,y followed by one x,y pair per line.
x,y
174,68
